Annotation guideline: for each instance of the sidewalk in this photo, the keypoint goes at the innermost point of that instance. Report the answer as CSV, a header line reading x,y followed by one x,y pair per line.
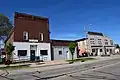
x,y
58,62
49,65
39,64
106,57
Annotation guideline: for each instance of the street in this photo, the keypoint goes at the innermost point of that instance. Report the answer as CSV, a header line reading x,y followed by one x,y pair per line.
x,y
101,70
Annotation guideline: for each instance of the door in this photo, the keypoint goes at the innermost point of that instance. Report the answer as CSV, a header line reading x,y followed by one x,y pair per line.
x,y
96,53
52,53
32,55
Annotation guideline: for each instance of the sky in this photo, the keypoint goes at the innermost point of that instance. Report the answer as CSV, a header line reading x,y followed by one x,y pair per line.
x,y
68,17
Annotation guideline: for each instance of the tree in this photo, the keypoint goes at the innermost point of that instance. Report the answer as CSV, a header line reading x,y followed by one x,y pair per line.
x,y
5,25
9,49
72,46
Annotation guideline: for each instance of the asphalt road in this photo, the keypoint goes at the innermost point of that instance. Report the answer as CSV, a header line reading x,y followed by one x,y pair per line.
x,y
102,70
110,72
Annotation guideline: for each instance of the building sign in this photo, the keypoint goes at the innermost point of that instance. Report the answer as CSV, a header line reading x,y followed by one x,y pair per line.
x,y
33,40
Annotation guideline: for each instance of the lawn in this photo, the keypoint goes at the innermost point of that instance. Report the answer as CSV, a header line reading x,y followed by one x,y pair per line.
x,y
81,59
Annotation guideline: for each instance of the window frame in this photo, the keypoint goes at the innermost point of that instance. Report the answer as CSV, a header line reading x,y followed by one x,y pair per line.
x,y
111,42
59,52
44,52
106,42
92,39
25,35
42,36
22,52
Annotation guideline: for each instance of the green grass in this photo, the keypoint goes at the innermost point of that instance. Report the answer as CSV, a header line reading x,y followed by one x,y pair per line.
x,y
81,59
14,67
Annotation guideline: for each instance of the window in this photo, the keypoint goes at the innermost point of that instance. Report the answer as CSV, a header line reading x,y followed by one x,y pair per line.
x,y
60,52
100,50
44,52
92,42
99,42
106,43
111,42
22,52
107,50
25,35
66,51
91,38
41,36
99,39
83,43
93,50
106,40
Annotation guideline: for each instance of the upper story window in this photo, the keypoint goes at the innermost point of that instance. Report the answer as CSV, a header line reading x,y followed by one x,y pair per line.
x,y
41,36
25,35
99,42
106,40
99,39
111,42
83,43
92,42
91,38
106,43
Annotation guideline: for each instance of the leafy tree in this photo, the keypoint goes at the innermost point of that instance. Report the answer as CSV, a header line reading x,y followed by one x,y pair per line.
x,y
72,46
5,25
9,49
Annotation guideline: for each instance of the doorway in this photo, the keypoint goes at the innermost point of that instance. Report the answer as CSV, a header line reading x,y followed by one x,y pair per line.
x,y
32,55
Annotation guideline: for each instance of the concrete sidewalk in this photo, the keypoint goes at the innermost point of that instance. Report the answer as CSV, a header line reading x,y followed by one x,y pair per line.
x,y
59,62
39,64
106,57
48,63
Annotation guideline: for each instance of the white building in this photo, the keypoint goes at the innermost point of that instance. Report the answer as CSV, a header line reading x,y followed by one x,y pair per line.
x,y
60,50
96,44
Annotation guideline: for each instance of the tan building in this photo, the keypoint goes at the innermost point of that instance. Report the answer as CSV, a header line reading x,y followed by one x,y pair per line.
x,y
96,44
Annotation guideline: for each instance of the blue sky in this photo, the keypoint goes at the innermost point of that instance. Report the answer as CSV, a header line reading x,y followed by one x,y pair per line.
x,y
68,17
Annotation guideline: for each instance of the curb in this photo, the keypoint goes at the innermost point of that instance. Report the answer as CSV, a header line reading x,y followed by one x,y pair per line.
x,y
47,65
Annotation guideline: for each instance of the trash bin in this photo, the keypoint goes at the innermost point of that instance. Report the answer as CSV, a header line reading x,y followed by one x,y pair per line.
x,y
37,58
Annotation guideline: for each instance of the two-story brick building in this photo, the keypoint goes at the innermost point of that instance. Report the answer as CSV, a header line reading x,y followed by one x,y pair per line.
x,y
31,37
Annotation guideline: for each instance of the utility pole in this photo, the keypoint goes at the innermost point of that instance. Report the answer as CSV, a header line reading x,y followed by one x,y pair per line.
x,y
86,36
85,32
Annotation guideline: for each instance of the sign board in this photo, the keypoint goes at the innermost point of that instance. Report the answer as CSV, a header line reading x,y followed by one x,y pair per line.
x,y
33,40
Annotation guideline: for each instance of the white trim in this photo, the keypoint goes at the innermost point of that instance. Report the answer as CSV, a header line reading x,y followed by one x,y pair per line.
x,y
25,33
41,36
